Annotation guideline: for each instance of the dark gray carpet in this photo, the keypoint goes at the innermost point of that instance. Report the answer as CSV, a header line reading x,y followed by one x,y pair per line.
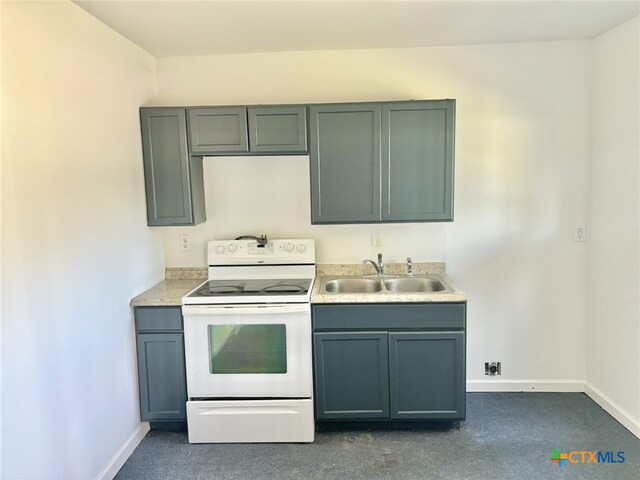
x,y
506,436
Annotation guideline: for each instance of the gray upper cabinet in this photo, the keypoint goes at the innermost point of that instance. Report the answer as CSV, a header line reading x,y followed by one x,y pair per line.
x,y
215,130
417,161
277,129
173,180
247,130
369,162
382,162
345,163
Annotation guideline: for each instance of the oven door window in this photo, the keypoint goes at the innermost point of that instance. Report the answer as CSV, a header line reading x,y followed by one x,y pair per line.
x,y
247,349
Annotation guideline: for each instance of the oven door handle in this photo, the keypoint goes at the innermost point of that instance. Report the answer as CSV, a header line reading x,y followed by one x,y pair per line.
x,y
244,310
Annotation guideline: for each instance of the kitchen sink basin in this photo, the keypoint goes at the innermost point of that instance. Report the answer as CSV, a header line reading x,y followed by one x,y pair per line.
x,y
353,285
389,285
412,284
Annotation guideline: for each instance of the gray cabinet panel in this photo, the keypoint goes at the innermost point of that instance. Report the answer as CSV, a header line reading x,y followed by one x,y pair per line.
x,y
277,129
167,168
217,130
351,374
158,319
417,161
161,371
389,316
427,375
345,163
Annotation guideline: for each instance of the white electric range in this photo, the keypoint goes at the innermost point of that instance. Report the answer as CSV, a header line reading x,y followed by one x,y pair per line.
x,y
247,333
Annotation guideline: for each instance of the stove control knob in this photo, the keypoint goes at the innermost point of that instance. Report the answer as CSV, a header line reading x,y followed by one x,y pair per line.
x,y
288,247
220,249
232,248
301,247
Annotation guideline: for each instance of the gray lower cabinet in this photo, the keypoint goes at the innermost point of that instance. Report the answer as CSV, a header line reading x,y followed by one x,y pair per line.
x,y
426,372
390,361
161,364
173,180
352,375
382,162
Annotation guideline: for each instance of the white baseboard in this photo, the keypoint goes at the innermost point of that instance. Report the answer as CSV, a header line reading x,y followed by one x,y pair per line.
x,y
608,405
525,386
613,409
125,451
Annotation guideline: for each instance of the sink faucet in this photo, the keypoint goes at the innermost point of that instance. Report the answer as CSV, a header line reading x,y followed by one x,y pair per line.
x,y
409,267
378,266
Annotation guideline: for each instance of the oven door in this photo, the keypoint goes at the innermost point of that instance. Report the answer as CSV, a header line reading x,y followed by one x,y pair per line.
x,y
248,351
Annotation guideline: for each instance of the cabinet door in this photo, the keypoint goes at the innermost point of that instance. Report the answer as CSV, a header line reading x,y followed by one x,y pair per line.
x,y
161,373
351,375
173,182
427,375
417,161
215,130
277,129
345,163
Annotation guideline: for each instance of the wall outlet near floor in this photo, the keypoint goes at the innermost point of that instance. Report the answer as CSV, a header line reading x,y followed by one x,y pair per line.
x,y
580,233
185,243
493,368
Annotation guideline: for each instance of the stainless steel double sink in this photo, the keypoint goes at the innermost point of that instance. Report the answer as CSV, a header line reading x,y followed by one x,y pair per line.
x,y
385,284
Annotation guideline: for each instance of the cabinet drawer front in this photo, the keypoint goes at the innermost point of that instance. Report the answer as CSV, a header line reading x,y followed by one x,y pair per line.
x,y
218,130
158,319
278,129
389,316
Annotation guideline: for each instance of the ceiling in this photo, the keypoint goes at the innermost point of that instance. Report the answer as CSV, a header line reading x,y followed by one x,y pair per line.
x,y
177,28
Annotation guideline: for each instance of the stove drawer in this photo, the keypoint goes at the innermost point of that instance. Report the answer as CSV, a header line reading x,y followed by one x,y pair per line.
x,y
249,421
158,319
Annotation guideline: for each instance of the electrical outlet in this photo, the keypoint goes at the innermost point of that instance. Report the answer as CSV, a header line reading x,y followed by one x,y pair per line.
x,y
376,238
493,368
185,243
580,233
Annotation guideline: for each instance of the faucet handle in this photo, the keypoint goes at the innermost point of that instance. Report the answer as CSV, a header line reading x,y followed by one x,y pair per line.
x,y
380,264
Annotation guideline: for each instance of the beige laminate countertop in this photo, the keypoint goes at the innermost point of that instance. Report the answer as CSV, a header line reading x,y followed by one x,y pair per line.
x,y
436,269
168,293
180,281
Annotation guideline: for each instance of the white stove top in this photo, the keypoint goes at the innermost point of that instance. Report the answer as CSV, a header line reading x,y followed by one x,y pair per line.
x,y
242,271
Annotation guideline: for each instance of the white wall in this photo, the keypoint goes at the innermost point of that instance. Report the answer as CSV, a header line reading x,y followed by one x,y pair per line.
x,y
1,255
613,334
75,244
522,150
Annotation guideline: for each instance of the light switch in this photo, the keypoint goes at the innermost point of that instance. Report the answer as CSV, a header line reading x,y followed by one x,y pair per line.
x,y
376,238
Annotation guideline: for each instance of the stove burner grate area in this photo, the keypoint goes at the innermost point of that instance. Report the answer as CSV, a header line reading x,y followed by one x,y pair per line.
x,y
283,289
218,289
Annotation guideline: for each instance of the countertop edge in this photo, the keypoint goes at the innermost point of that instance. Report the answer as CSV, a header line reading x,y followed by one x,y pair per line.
x,y
167,293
